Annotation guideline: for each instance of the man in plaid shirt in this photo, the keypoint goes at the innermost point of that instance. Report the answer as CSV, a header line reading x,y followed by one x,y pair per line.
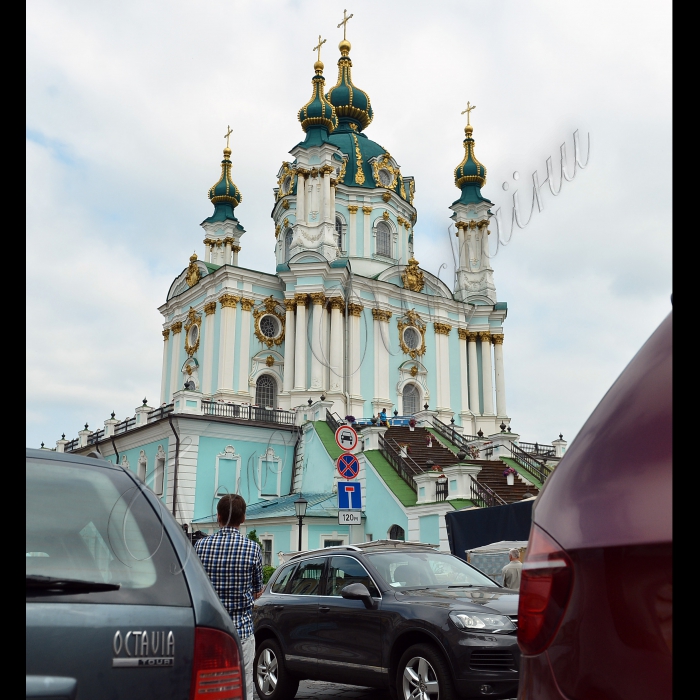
x,y
234,565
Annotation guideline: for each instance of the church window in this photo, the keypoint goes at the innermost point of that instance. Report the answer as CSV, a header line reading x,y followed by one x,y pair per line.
x,y
412,338
265,391
142,466
411,401
288,243
385,177
396,532
193,335
383,239
159,472
287,185
269,326
338,233
266,551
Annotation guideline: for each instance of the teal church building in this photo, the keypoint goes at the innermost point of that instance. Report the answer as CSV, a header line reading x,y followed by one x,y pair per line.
x,y
259,369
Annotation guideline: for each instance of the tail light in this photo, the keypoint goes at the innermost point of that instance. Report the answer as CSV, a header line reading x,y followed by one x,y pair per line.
x,y
545,588
216,668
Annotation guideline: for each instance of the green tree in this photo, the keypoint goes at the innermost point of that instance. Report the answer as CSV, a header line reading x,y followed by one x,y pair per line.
x,y
252,535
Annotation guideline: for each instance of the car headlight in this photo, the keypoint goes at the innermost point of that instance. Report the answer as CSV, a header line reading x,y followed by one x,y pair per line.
x,y
482,622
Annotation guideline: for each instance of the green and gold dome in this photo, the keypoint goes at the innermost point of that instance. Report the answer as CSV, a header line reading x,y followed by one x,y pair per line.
x,y
224,195
470,174
318,112
352,105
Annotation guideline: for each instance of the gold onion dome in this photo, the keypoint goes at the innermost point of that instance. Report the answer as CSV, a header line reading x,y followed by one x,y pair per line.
x,y
318,112
351,104
470,170
225,191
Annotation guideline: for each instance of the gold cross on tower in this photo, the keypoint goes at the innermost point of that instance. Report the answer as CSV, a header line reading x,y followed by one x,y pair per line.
x,y
318,48
227,134
344,23
469,108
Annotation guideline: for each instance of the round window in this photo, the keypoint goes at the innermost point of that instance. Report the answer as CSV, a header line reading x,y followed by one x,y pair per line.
x,y
385,177
287,185
269,326
412,338
193,335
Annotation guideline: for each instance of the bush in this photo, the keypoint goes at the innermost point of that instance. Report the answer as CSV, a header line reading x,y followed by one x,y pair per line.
x,y
267,572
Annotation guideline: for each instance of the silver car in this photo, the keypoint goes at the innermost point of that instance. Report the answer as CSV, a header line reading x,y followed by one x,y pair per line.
x,y
118,604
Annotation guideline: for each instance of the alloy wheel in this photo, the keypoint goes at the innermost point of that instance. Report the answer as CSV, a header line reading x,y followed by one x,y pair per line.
x,y
267,672
420,680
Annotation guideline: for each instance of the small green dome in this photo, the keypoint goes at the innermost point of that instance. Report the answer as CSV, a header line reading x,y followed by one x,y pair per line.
x,y
351,104
225,191
470,170
318,112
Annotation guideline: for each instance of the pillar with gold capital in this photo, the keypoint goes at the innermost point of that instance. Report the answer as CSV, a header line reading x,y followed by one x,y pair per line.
x,y
207,371
497,339
175,343
473,374
164,371
244,346
337,366
352,230
486,372
318,300
289,346
354,363
227,342
300,343
382,343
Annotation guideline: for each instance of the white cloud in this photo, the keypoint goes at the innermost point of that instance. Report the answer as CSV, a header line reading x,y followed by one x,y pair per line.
x,y
127,105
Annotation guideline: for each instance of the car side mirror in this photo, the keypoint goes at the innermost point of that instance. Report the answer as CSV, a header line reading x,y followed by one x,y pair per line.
x,y
358,591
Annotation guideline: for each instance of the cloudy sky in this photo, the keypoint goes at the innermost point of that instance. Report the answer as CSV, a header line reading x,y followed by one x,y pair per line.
x,y
127,104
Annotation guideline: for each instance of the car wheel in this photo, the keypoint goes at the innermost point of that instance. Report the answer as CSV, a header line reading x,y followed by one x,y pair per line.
x,y
423,675
272,679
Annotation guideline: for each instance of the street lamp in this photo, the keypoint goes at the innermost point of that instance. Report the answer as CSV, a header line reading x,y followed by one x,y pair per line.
x,y
300,510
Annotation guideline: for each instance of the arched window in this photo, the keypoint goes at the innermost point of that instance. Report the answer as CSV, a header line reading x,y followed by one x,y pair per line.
x,y
411,400
266,391
288,243
396,532
338,233
383,239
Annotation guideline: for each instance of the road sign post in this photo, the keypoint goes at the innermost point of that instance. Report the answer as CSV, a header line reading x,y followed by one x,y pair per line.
x,y
346,438
347,465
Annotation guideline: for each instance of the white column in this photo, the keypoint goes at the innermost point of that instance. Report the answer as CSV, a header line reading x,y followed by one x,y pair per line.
x,y
301,197
175,360
352,230
463,375
300,343
462,234
332,203
164,371
236,250
325,348
354,369
327,193
207,252
500,378
483,235
381,353
227,341
337,366
207,370
367,252
289,343
318,300
244,346
487,372
473,375
227,252
442,332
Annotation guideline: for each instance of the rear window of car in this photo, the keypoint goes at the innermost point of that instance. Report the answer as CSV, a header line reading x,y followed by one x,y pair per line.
x,y
280,583
307,577
93,523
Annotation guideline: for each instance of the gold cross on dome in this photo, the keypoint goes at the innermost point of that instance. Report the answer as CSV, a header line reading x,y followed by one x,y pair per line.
x,y
344,23
469,108
318,48
227,134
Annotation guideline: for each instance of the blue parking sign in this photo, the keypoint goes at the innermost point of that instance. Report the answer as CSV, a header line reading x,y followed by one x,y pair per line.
x,y
349,495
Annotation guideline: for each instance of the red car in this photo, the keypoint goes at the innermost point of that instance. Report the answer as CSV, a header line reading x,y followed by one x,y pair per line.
x,y
596,592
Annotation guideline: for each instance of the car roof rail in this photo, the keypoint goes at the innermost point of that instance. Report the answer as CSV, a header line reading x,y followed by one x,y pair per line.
x,y
345,547
375,544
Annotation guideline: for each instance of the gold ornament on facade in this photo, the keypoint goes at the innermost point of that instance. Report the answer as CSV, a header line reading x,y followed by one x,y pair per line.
x,y
352,208
314,172
337,303
341,173
290,304
497,339
285,223
269,360
442,328
385,215
384,163
413,277
285,204
355,309
414,371
193,274
176,327
277,230
462,333
236,248
284,173
386,196
189,369
269,308
471,336
210,308
318,298
413,320
485,336
166,334
366,210
193,319
247,304
228,301
381,315
359,174
301,299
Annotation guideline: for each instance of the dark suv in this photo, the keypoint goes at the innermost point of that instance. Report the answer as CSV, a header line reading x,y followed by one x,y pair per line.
x,y
386,614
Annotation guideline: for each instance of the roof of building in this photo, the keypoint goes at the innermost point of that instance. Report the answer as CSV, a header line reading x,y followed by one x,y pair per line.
x,y
320,505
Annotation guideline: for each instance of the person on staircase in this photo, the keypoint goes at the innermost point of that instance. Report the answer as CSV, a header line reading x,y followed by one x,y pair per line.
x,y
382,418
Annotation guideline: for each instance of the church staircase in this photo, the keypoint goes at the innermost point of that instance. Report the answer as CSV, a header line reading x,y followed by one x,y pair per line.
x,y
496,490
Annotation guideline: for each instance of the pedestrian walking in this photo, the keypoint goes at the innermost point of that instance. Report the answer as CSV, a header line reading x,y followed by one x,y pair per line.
x,y
512,570
234,565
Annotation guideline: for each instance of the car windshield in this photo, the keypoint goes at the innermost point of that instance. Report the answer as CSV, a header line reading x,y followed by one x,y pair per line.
x,y
426,570
93,524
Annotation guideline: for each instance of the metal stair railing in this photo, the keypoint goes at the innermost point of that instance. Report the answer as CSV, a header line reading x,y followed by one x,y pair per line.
x,y
449,433
538,469
536,449
400,464
160,412
95,437
484,497
333,420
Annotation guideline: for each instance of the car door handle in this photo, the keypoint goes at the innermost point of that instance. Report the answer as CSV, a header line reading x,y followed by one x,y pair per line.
x,y
279,607
58,687
324,608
